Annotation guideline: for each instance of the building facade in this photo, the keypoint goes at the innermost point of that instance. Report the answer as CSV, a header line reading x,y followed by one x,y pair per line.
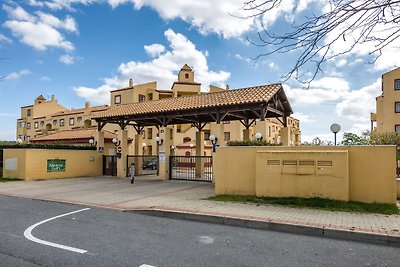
x,y
48,117
387,116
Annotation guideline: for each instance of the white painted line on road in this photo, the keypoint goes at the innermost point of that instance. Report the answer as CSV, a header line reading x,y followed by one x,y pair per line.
x,y
28,234
146,265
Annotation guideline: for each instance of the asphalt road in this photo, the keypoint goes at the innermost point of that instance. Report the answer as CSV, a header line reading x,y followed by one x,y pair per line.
x,y
114,238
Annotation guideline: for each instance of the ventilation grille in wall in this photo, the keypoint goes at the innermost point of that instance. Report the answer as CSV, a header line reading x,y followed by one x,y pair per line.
x,y
300,167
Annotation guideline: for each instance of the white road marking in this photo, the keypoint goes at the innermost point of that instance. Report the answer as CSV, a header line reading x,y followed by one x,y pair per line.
x,y
28,234
146,265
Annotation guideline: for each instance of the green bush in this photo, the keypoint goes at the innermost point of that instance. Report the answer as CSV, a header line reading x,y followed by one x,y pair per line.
x,y
251,143
48,146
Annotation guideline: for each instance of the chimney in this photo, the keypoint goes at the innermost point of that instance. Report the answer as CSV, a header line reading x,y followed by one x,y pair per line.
x,y
130,83
53,97
227,87
87,105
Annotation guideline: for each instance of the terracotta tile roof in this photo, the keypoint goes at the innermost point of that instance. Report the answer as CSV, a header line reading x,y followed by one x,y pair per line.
x,y
72,135
207,100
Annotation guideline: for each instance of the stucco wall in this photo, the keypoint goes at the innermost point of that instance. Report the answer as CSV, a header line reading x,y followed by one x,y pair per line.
x,y
32,163
371,173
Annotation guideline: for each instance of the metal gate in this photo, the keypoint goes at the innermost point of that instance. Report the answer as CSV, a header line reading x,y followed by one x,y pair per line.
x,y
1,162
144,164
110,165
191,168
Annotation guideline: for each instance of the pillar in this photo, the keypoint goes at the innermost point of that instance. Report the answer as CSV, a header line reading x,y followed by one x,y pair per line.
x,y
285,136
164,152
138,153
261,127
199,152
217,129
99,138
246,134
122,161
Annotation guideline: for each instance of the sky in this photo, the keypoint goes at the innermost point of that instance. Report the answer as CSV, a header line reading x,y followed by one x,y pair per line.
x,y
79,50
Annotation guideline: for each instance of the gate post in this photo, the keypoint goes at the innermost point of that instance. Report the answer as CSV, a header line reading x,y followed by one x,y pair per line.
x,y
138,152
199,153
164,152
122,161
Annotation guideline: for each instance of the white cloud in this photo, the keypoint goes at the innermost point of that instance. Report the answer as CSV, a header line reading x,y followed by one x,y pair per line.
x,y
162,69
358,104
154,50
303,118
39,32
68,59
45,78
17,75
2,114
324,90
5,39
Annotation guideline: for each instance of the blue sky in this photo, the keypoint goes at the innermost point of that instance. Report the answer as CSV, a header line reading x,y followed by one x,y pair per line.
x,y
79,50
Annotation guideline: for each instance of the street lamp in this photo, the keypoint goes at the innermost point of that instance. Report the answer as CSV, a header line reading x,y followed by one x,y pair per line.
x,y
19,141
159,141
214,141
258,136
116,142
335,128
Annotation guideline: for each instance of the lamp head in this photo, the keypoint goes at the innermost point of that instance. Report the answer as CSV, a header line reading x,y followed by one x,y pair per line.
x,y
258,136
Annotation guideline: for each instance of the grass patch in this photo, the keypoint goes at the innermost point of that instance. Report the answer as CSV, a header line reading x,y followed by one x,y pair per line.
x,y
316,203
3,180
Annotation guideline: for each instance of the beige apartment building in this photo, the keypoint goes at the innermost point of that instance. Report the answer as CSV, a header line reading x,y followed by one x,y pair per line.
x,y
47,117
387,116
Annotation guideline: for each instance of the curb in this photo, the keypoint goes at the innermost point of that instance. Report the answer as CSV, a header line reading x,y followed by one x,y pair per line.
x,y
343,234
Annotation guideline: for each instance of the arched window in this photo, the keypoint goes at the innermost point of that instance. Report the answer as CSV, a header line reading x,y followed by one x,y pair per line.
x,y
186,76
187,139
187,153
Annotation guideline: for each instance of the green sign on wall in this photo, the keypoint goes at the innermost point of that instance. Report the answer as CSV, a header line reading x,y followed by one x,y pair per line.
x,y
55,165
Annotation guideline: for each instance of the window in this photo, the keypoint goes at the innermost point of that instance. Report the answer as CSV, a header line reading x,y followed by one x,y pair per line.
x,y
117,99
397,107
61,122
71,121
42,123
178,128
397,128
397,84
171,133
207,135
79,119
149,133
28,125
150,96
21,124
227,136
28,112
186,76
142,98
54,122
36,125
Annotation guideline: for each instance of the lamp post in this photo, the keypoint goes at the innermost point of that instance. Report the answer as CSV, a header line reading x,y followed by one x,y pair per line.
x,y
258,136
214,141
191,148
19,141
116,142
92,142
335,128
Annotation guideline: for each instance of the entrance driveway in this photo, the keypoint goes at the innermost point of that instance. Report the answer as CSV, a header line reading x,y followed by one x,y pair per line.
x,y
112,192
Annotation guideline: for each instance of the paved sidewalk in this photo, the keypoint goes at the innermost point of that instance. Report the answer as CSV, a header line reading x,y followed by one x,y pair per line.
x,y
180,199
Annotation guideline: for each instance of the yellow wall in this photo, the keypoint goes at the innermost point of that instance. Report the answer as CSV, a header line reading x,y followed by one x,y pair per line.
x,y
371,173
32,163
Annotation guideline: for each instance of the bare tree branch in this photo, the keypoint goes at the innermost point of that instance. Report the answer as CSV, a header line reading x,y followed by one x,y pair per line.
x,y
372,23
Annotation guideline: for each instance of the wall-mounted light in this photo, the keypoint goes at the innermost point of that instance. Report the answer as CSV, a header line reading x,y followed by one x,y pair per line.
x,y
213,139
258,136
116,142
159,141
92,142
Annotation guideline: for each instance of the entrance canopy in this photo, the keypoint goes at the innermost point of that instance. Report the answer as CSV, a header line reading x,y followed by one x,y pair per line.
x,y
245,104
